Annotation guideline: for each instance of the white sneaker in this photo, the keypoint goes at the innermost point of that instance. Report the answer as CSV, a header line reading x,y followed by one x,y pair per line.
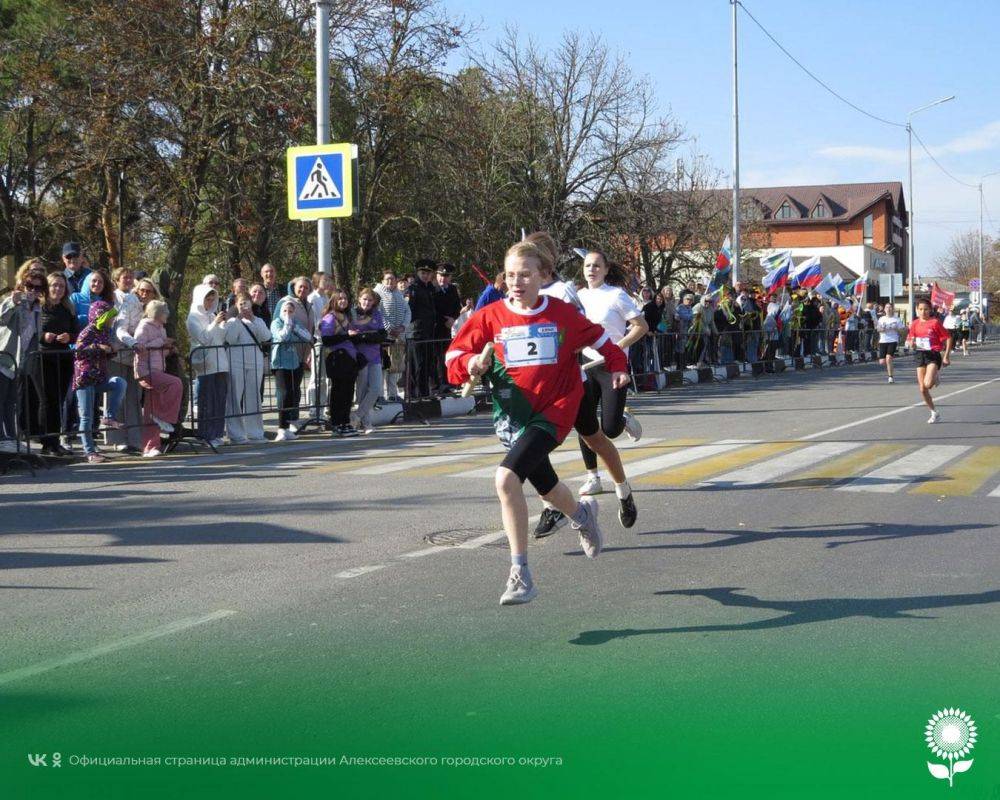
x,y
591,486
293,428
121,448
935,417
166,427
591,539
633,428
520,588
152,453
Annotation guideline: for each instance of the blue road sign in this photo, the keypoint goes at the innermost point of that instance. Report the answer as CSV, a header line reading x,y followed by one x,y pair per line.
x,y
320,181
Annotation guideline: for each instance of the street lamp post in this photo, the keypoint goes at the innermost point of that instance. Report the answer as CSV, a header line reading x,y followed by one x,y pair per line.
x,y
983,307
909,157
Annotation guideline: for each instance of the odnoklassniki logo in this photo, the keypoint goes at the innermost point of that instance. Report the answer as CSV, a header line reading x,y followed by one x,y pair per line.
x,y
950,734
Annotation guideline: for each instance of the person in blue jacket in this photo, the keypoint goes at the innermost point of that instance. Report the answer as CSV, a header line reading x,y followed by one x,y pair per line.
x,y
96,286
493,292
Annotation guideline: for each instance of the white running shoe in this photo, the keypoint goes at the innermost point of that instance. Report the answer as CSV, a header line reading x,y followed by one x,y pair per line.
x,y
293,428
591,486
591,539
520,588
935,417
891,380
284,435
633,428
152,453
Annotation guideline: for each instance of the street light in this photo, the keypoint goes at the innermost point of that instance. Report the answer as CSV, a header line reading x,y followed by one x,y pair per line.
x,y
983,308
909,141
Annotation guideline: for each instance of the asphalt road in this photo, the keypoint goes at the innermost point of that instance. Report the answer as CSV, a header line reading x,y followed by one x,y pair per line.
x,y
814,572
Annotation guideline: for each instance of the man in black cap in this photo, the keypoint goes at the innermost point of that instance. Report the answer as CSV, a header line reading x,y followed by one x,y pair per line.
x,y
447,307
420,297
75,273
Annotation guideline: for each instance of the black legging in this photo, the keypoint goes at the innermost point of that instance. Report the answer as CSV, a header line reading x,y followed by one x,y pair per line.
x,y
51,374
342,370
528,458
288,383
597,390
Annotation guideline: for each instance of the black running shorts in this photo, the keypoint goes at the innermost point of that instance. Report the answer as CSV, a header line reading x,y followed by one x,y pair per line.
x,y
887,349
925,357
528,458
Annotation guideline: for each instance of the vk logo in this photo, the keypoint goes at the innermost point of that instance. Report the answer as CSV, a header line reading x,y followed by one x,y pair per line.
x,y
37,760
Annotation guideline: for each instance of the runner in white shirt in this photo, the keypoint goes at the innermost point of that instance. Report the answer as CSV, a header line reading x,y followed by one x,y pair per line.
x,y
586,426
889,327
610,306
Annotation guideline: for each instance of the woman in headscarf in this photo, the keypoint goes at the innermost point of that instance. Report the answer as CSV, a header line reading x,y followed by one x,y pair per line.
x,y
209,362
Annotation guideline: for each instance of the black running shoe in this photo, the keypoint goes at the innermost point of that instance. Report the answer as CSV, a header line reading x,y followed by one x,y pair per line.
x,y
627,512
551,521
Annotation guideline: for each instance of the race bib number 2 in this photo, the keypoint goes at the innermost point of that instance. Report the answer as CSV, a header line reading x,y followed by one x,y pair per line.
x,y
531,345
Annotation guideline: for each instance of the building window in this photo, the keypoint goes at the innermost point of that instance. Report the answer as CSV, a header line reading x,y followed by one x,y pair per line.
x,y
869,230
820,211
785,212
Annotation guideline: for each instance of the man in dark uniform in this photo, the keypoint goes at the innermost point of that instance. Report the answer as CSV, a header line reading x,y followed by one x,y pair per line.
x,y
420,297
447,307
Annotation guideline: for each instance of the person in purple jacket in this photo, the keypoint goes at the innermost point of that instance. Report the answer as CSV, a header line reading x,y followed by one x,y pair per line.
x,y
341,361
90,375
368,328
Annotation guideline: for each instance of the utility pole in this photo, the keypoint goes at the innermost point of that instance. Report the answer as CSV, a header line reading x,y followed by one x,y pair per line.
x,y
324,228
736,152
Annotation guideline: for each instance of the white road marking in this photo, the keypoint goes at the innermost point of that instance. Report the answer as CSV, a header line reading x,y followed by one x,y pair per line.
x,y
688,454
900,473
770,469
414,462
558,457
111,647
885,414
994,493
354,572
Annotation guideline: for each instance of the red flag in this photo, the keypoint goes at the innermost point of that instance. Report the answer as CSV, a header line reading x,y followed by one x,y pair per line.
x,y
939,297
479,272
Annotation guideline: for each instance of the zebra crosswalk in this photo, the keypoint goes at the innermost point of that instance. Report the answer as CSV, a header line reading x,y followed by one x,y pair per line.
x,y
698,464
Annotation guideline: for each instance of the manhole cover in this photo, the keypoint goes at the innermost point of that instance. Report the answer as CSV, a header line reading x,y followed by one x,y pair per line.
x,y
456,536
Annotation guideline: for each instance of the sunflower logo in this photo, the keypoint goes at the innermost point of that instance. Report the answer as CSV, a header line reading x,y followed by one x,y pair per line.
x,y
951,734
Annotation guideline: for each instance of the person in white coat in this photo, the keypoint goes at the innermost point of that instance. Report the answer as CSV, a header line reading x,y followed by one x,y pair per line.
x,y
209,363
245,335
129,309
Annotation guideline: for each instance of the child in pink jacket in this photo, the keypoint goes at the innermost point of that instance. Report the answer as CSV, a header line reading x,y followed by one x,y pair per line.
x,y
162,403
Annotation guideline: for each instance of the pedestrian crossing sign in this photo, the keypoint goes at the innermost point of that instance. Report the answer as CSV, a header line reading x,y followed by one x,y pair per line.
x,y
320,181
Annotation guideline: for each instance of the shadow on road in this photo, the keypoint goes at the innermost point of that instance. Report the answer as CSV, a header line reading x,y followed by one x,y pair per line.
x,y
797,612
860,533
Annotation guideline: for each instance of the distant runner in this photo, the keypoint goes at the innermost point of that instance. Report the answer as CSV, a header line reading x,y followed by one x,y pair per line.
x,y
889,327
929,338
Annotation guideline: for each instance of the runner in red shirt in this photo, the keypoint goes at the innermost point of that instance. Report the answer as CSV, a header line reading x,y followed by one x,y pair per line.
x,y
929,338
535,375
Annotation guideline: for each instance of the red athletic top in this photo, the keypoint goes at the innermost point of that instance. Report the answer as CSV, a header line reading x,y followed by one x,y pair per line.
x,y
928,335
535,373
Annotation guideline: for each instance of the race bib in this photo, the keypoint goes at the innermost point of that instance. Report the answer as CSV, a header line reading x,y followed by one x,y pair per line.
x,y
531,345
922,342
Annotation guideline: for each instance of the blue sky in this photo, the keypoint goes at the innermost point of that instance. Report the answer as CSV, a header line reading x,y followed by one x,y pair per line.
x,y
888,57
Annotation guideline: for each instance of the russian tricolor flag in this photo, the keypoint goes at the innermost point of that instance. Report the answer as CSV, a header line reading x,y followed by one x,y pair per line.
x,y
723,266
807,275
777,267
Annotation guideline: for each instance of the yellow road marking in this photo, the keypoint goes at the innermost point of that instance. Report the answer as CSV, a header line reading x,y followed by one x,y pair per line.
x,y
724,462
846,467
963,477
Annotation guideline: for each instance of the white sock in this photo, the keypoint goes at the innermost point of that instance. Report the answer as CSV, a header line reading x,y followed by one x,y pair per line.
x,y
593,473
623,490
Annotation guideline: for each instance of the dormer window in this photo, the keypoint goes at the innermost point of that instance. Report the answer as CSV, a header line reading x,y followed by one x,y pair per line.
x,y
785,212
820,211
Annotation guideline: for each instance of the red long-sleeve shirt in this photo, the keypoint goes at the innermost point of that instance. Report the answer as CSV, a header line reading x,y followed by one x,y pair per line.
x,y
535,373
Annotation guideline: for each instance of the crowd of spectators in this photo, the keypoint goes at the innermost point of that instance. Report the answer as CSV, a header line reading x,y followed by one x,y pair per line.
x,y
98,352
